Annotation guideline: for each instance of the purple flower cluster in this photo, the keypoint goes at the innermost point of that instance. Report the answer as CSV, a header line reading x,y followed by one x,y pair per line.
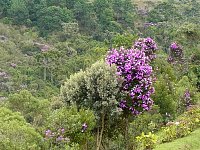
x,y
148,46
56,136
176,52
84,127
133,66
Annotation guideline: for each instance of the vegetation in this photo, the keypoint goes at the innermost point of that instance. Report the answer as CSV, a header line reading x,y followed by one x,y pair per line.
x,y
189,142
99,74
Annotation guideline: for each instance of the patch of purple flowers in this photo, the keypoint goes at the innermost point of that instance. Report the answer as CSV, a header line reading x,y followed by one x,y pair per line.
x,y
133,66
84,127
56,137
176,52
148,46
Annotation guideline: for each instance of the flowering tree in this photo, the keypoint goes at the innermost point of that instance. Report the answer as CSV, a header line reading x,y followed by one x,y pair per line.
x,y
148,46
133,66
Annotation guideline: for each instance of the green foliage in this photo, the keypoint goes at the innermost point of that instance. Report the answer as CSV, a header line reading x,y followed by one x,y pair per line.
x,y
189,142
165,11
96,88
125,40
184,125
5,4
51,18
147,122
19,12
15,133
148,141
72,119
176,130
181,87
69,29
34,110
165,97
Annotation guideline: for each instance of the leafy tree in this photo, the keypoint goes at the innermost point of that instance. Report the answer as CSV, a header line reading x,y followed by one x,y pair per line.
x,y
19,12
51,18
35,6
165,11
124,12
5,5
85,15
97,88
105,13
60,3
34,110
15,133
165,96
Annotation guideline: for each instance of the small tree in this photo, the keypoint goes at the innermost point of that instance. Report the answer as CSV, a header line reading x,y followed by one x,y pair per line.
x,y
97,88
51,18
133,65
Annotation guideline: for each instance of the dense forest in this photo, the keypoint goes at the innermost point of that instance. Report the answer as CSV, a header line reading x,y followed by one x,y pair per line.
x,y
98,74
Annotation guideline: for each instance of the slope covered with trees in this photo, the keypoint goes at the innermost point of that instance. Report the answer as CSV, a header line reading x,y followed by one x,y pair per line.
x,y
100,74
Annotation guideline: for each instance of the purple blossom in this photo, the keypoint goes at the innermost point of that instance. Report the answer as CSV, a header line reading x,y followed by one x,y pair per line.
x,y
176,52
84,127
170,59
48,133
60,138
148,46
133,65
174,46
62,130
122,104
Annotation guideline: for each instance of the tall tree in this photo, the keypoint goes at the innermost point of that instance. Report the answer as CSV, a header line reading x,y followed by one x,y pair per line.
x,y
19,12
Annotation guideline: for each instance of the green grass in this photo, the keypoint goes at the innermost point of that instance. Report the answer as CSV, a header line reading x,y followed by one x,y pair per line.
x,y
190,142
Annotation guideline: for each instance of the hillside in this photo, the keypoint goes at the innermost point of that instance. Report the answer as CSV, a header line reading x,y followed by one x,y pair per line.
x,y
99,74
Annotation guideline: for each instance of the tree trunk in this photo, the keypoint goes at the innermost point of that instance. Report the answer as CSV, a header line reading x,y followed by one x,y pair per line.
x,y
126,137
101,133
97,138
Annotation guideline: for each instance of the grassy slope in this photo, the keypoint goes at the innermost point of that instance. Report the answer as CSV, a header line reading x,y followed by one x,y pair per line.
x,y
191,142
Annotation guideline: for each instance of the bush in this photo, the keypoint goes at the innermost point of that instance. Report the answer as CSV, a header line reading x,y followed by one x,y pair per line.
x,y
77,124
15,133
147,142
184,125
34,110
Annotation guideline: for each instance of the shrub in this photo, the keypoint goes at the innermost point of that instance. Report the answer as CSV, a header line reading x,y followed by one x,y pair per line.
x,y
77,124
147,142
15,133
184,125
